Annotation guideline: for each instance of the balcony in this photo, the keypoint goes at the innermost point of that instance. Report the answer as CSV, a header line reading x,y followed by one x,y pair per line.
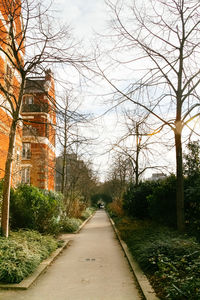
x,y
30,131
43,107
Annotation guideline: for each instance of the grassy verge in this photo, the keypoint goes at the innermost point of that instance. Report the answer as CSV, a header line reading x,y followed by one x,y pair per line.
x,y
171,261
22,252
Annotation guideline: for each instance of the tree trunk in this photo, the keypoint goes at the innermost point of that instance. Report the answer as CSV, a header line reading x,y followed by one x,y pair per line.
x,y
64,168
8,166
63,185
180,185
7,181
137,156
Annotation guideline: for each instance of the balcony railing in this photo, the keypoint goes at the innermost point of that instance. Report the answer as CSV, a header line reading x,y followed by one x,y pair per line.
x,y
35,108
30,131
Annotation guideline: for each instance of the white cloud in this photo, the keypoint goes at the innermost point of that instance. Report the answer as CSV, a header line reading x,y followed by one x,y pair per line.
x,y
84,16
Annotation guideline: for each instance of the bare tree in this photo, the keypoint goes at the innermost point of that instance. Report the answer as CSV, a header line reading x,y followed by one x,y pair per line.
x,y
69,119
120,174
159,42
29,41
138,145
79,181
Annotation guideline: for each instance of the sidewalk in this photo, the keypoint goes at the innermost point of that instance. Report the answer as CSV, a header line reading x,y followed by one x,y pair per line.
x,y
92,268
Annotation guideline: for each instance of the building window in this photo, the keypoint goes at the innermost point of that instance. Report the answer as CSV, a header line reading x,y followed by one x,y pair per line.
x,y
26,150
18,153
25,178
28,99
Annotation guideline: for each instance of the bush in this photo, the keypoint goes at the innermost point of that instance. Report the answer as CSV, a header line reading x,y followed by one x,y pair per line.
x,y
169,259
192,207
21,253
74,205
35,209
115,208
70,224
87,213
162,201
135,199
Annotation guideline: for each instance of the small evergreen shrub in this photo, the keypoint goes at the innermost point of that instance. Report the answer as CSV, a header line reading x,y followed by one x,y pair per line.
x,y
192,207
135,201
87,213
21,253
35,209
70,224
192,188
162,201
170,260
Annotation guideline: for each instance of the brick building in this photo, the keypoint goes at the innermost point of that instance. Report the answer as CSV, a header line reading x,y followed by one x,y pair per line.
x,y
38,139
34,154
10,81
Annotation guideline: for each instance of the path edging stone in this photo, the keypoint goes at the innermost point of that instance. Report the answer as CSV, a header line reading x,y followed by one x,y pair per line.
x,y
28,281
145,286
84,223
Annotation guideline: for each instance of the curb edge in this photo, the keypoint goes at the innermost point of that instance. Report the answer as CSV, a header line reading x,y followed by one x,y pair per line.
x,y
83,224
144,284
28,281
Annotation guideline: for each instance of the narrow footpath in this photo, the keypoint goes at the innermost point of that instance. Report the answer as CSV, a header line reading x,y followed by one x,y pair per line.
x,y
92,268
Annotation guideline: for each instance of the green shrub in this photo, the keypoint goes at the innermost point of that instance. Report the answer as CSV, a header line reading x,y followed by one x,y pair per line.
x,y
192,206
87,213
169,259
70,224
135,199
21,253
192,188
35,209
162,201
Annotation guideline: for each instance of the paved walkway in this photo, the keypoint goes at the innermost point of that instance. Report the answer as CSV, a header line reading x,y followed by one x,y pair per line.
x,y
92,268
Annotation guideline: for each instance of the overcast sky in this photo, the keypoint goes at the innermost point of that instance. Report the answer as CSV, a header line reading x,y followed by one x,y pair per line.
x,y
87,17
84,15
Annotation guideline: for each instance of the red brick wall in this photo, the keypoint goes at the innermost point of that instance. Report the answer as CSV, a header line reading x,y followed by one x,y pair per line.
x,y
42,159
5,122
5,116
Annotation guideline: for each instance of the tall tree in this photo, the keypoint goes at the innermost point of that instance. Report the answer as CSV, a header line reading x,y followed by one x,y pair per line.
x,y
138,145
159,42
70,119
28,46
80,181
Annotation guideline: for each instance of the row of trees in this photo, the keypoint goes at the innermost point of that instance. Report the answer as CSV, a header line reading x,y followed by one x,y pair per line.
x,y
156,199
156,43
30,46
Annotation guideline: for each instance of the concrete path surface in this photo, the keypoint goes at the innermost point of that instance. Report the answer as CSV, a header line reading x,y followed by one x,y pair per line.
x,y
92,268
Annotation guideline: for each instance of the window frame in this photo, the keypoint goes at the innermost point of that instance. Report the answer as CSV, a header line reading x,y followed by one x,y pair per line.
x,y
25,175
26,99
26,150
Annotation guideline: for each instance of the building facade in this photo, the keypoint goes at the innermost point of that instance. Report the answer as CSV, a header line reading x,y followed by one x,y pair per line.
x,y
38,138
34,152
10,82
